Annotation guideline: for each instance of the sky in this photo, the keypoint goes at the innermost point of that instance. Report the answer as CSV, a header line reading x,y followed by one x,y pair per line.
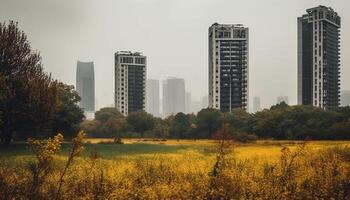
x,y
173,34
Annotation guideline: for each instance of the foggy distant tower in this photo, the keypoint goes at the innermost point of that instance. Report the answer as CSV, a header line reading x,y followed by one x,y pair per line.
x,y
205,101
85,86
130,81
319,58
256,104
281,99
173,96
345,98
228,66
152,97
188,101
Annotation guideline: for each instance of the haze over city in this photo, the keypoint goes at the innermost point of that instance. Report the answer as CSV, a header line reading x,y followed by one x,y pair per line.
x,y
174,37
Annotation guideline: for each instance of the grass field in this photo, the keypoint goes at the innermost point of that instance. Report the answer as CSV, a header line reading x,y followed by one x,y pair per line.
x,y
268,150
180,169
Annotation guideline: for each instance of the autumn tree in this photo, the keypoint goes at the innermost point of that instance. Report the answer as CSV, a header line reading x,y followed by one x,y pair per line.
x,y
28,94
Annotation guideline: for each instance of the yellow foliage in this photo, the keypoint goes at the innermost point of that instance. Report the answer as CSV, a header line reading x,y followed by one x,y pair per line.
x,y
299,171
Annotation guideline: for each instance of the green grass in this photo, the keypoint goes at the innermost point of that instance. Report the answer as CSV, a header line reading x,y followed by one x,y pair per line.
x,y
133,149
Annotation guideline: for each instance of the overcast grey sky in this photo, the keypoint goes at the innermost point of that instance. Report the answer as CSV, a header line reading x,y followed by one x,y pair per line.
x,y
173,35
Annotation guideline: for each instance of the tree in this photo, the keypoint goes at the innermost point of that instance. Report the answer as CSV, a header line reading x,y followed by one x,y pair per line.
x,y
161,128
68,115
180,126
114,126
29,99
237,119
91,127
104,114
140,121
208,121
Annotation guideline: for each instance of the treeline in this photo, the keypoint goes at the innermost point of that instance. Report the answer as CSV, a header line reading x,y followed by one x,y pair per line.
x,y
279,122
32,103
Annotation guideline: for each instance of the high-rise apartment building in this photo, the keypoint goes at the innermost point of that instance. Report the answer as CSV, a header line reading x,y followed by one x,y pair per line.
x,y
319,58
256,104
173,96
228,66
152,97
130,81
85,86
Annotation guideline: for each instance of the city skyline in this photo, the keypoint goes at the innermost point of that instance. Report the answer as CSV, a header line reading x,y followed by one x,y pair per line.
x,y
60,50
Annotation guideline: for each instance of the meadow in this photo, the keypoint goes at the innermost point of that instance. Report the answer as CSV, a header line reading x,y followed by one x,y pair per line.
x,y
180,169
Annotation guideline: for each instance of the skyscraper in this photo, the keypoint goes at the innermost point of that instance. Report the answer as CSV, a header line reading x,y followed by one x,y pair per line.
x,y
281,99
228,66
173,96
345,98
152,97
319,58
256,104
85,85
188,101
130,81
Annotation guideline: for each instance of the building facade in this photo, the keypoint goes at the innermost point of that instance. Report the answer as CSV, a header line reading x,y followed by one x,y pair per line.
x,y
85,86
174,96
152,97
319,58
256,104
228,66
130,81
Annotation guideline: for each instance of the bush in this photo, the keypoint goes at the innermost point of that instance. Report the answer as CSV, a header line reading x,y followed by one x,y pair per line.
x,y
244,137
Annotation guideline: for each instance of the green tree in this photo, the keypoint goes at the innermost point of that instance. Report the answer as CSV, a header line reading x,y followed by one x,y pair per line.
x,y
68,115
114,126
91,127
180,126
104,114
208,121
140,121
161,128
238,119
28,94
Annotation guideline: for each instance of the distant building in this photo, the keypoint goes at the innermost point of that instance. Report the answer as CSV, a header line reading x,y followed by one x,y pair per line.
x,y
345,98
152,97
130,81
188,101
85,86
196,106
228,66
205,102
319,58
256,104
173,96
281,99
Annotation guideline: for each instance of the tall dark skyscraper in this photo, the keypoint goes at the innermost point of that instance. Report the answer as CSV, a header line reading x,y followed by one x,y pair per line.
x,y
319,58
228,66
130,82
85,85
